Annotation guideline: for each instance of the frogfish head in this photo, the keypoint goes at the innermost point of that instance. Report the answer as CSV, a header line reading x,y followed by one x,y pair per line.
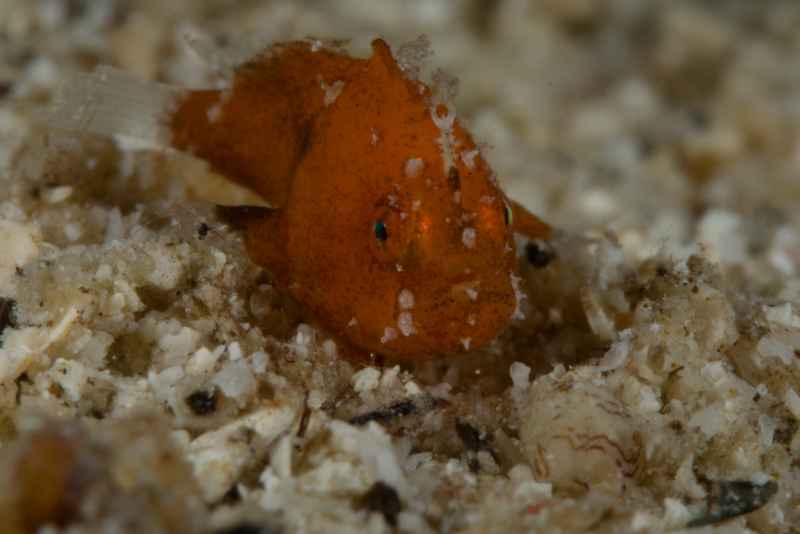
x,y
399,233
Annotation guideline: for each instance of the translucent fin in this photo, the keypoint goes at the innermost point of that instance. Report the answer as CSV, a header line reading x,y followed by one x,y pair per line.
x,y
526,223
110,102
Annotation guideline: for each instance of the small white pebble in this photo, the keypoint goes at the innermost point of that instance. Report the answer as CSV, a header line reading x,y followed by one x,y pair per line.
x,y
792,401
329,348
366,379
234,351
259,361
389,377
202,361
58,194
315,399
412,388
771,347
782,315
767,426
73,231
520,375
103,272
114,227
236,381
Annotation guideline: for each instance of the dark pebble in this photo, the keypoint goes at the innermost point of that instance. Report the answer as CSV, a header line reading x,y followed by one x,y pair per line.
x,y
203,402
470,436
6,315
399,409
733,498
383,498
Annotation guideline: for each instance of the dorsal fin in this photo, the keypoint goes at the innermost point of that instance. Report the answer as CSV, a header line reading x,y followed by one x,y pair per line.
x,y
256,132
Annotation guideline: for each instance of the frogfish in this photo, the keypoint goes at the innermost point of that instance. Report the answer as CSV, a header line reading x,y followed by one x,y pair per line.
x,y
385,222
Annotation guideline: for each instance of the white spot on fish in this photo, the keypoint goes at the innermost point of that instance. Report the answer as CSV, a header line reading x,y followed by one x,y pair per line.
x,y
447,141
413,167
468,157
214,113
406,324
472,320
353,322
389,334
332,91
466,341
415,205
405,299
468,237
374,137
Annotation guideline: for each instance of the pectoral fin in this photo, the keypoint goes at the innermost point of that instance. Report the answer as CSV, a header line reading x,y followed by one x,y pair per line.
x,y
526,223
265,235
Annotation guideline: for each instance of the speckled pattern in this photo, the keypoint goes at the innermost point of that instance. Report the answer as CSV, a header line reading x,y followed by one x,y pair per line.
x,y
153,379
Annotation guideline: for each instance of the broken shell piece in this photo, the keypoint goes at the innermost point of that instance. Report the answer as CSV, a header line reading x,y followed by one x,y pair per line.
x,y
579,434
732,498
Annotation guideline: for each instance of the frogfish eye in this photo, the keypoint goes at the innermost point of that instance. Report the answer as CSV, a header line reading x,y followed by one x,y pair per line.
x,y
508,215
381,234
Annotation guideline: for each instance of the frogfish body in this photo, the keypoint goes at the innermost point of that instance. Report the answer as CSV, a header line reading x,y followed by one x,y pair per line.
x,y
386,224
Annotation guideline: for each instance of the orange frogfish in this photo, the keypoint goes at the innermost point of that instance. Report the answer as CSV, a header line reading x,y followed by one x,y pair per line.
x,y
386,223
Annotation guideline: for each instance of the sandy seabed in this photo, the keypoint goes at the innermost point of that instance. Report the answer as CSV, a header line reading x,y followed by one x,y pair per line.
x,y
153,380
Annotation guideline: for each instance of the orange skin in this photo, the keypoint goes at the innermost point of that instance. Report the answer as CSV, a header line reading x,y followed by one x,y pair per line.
x,y
394,235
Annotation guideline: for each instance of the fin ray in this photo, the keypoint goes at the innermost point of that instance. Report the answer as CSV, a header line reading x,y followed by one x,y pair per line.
x,y
108,101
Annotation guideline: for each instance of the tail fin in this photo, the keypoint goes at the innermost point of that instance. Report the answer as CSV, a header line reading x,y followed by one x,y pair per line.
x,y
110,102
